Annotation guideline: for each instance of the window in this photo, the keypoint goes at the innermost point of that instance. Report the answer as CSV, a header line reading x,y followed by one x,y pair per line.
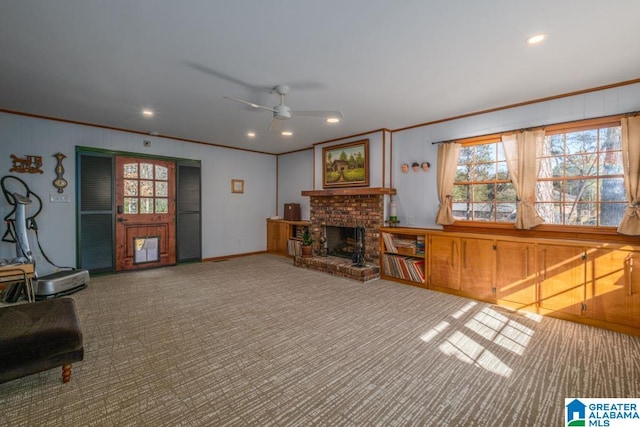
x,y
483,190
581,178
580,182
145,188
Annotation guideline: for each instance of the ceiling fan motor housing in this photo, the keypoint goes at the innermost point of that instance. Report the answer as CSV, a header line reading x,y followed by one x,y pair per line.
x,y
281,112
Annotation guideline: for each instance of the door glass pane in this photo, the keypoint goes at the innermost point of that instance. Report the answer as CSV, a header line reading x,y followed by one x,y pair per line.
x,y
162,205
130,205
130,170
146,188
162,173
146,171
146,205
161,189
130,187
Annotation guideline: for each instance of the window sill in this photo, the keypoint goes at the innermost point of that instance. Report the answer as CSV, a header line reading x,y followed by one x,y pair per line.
x,y
599,234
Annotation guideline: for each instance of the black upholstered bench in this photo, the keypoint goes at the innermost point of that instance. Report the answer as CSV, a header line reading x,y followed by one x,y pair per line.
x,y
39,336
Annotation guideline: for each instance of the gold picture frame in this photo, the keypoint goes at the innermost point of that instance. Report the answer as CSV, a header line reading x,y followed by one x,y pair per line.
x,y
346,165
237,185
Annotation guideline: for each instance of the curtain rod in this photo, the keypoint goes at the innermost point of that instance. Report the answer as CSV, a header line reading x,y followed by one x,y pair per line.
x,y
630,113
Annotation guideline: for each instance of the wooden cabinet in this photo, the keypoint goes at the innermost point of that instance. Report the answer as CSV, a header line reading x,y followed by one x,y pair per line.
x,y
516,275
477,268
402,255
444,262
561,280
589,282
613,286
279,232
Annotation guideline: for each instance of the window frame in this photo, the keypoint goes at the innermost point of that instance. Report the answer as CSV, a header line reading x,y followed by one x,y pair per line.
x,y
579,232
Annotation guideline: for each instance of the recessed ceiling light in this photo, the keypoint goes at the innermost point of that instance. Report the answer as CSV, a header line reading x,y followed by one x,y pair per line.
x,y
251,134
147,113
536,39
286,133
333,119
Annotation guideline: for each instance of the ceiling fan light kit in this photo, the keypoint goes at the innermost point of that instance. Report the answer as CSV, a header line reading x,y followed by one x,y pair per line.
x,y
283,112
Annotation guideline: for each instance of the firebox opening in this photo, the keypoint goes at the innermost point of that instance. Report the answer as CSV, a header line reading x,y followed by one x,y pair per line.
x,y
341,241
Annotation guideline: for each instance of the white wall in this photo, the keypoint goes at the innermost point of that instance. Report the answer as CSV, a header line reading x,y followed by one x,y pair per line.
x,y
231,223
416,191
295,174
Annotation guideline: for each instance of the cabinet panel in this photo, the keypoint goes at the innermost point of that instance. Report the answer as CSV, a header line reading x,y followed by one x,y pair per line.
x,y
516,275
613,287
444,263
562,278
477,268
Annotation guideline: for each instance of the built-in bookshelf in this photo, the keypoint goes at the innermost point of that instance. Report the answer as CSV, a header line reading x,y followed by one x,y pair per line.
x,y
285,237
402,255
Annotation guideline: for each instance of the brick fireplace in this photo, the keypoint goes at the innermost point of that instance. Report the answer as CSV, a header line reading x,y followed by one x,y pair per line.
x,y
362,207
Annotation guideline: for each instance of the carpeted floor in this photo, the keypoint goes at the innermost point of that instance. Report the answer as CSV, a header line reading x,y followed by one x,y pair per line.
x,y
254,341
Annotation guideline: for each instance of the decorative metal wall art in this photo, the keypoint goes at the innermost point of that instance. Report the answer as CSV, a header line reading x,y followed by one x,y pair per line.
x,y
28,164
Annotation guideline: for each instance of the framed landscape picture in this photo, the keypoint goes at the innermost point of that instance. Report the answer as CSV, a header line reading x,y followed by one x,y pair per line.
x,y
346,165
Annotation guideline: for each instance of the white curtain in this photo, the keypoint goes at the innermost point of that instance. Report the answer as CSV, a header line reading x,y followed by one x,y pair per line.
x,y
448,154
630,224
521,151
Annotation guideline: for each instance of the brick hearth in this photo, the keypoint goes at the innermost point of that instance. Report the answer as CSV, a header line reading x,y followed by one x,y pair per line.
x,y
347,208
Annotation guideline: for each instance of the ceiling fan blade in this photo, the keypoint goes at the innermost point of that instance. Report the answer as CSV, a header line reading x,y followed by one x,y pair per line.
x,y
317,113
227,77
251,104
276,125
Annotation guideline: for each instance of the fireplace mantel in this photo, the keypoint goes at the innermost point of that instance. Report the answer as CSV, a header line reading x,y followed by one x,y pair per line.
x,y
368,191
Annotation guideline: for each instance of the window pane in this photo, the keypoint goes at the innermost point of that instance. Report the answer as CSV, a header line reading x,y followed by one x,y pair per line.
x,y
506,212
557,165
146,205
483,192
461,193
162,205
162,173
545,191
485,172
503,171
611,163
130,205
161,189
486,152
482,211
556,143
612,190
463,174
581,214
582,142
505,192
130,170
611,213
146,188
581,165
146,171
610,139
130,187
466,155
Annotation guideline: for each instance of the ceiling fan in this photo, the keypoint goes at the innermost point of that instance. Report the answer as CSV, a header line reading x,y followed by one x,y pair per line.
x,y
282,112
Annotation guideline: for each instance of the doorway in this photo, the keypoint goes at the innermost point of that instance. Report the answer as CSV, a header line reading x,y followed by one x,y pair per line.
x,y
145,213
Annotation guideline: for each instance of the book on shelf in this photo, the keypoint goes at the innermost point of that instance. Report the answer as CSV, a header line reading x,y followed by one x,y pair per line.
x,y
404,267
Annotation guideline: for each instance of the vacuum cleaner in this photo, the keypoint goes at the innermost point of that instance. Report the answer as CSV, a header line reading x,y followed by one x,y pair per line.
x,y
63,282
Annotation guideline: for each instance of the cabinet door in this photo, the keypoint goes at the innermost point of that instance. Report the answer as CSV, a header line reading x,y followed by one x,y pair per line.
x,y
477,268
562,278
444,263
516,275
277,237
613,286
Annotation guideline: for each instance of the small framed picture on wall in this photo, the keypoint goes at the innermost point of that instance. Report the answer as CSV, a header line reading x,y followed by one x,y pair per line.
x,y
237,185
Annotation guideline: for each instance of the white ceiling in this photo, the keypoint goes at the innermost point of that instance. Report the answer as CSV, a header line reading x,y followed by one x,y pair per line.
x,y
384,64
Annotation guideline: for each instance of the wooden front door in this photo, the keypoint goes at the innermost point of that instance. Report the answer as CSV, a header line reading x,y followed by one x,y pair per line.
x,y
145,213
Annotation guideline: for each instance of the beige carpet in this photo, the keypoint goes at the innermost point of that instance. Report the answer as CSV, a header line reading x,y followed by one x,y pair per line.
x,y
255,341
